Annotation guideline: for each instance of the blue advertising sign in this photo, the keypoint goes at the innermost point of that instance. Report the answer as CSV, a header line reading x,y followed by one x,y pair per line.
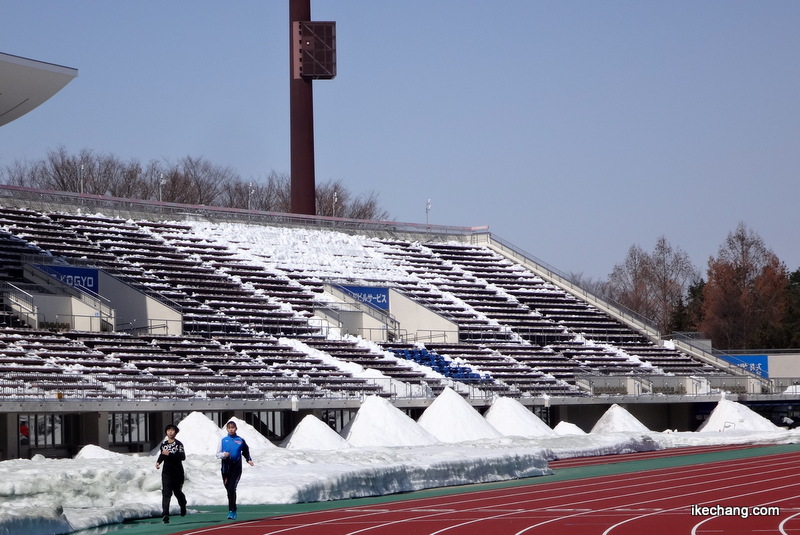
x,y
757,364
74,276
371,295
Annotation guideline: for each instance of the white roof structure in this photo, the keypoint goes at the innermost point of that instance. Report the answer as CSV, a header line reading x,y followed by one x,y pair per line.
x,y
27,83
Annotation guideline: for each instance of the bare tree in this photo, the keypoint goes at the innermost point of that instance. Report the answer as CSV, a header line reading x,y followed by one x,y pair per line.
x,y
590,284
628,282
201,182
331,198
18,174
190,180
278,193
792,319
671,274
653,285
367,207
237,194
124,179
58,171
334,199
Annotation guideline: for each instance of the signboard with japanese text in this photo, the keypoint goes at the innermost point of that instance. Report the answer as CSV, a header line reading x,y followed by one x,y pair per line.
x,y
757,364
374,296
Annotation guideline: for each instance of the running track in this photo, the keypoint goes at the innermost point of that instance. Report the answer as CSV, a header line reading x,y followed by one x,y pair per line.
x,y
650,502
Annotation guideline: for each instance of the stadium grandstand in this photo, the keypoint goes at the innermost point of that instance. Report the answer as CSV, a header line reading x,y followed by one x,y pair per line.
x,y
119,316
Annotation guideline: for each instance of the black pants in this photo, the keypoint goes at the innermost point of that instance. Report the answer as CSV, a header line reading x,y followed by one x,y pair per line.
x,y
171,485
230,478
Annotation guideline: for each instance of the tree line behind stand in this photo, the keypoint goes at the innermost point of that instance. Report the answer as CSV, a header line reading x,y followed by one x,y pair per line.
x,y
747,298
190,180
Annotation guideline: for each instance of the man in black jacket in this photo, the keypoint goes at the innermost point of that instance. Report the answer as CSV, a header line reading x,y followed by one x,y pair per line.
x,y
172,477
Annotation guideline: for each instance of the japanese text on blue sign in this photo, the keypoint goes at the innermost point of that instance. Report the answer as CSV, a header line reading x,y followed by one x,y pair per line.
x,y
373,296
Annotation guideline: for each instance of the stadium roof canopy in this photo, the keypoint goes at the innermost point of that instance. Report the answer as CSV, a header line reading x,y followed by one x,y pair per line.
x,y
27,83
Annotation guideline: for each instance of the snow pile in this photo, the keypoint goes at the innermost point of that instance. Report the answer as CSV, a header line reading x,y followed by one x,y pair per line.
x,y
313,434
379,423
450,418
201,436
255,440
618,420
731,416
567,428
194,433
90,451
511,418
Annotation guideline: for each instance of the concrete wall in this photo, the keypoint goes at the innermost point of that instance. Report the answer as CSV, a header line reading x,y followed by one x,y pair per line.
x,y
420,323
360,324
784,365
138,311
67,309
130,309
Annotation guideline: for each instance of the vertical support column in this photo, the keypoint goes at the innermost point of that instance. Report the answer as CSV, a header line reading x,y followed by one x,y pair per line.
x,y
9,436
94,429
158,421
301,112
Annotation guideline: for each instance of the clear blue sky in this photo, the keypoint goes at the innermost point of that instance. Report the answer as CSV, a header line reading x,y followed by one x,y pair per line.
x,y
573,129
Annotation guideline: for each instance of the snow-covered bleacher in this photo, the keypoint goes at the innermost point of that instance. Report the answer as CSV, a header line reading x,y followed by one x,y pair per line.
x,y
248,294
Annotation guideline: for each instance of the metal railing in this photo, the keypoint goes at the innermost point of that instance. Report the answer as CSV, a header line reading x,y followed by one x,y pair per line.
x,y
92,389
136,207
21,303
731,363
563,281
49,278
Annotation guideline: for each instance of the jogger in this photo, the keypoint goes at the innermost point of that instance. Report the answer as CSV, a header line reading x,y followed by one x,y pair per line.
x,y
172,477
231,450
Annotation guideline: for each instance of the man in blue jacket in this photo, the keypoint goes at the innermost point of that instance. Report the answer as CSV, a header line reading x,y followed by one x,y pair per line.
x,y
231,450
172,454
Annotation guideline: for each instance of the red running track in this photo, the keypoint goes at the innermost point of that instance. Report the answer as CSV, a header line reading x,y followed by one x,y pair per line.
x,y
572,462
652,502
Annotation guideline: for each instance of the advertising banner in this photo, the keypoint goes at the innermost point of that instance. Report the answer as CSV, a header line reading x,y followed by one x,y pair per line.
x,y
758,364
371,295
78,277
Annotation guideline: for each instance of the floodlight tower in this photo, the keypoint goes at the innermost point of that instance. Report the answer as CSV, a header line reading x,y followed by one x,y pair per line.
x,y
312,49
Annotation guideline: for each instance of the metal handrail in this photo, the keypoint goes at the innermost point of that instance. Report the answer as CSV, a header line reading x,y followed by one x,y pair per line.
x,y
187,211
564,281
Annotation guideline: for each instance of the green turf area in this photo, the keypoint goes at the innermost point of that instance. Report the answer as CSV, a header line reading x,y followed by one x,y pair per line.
x,y
208,516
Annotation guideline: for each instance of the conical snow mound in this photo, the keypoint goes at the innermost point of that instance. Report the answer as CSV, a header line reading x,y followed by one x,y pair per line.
x,y
200,435
732,416
255,440
511,418
450,418
618,420
379,423
313,434
566,428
